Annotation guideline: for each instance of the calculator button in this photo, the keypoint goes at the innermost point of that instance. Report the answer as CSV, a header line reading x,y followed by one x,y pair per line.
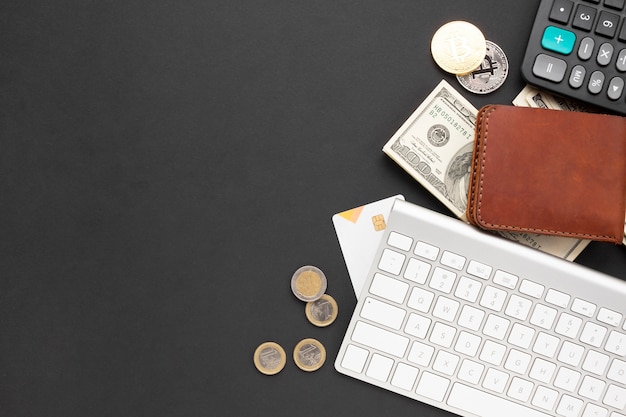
x,y
583,19
605,53
577,76
585,49
596,81
607,24
616,88
561,10
621,60
614,4
550,68
558,40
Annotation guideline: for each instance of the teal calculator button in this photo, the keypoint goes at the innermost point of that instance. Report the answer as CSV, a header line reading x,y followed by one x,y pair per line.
x,y
558,40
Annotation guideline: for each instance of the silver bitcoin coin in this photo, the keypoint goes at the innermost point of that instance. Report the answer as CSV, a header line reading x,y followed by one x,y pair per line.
x,y
490,75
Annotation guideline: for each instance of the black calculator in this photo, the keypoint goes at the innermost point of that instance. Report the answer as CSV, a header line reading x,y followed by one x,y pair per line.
x,y
577,49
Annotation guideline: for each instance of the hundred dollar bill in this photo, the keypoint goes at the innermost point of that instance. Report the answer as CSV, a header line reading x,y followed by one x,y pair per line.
x,y
434,145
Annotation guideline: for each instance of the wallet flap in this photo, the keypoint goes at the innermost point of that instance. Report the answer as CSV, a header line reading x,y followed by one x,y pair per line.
x,y
549,172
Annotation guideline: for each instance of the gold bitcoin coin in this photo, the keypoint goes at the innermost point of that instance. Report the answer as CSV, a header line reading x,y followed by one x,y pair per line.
x,y
308,283
321,312
270,358
309,355
458,47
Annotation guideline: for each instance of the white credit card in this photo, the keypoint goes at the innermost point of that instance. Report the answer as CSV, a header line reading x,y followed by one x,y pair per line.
x,y
359,231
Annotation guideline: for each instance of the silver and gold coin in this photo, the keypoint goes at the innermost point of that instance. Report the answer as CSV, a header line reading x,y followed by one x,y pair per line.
x,y
321,312
308,283
458,47
309,355
490,75
270,358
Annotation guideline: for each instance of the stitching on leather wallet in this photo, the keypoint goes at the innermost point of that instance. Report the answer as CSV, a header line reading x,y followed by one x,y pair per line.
x,y
483,152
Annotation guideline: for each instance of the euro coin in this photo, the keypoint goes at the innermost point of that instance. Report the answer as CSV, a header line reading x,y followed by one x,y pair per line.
x,y
308,283
458,47
321,312
269,358
309,355
490,75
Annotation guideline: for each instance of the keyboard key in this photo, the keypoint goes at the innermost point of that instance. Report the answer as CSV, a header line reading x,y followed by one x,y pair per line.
x,y
596,81
383,313
493,298
571,354
505,279
479,270
595,362
420,299
495,380
583,307
379,367
492,353
568,325
605,53
446,362
545,398
471,317
391,261
467,343
482,403
417,271
584,17
470,371
389,288
380,339
549,68
546,344
615,397
421,354
518,307
432,386
442,335
404,377
569,406
543,316
517,361
442,280
609,317
607,24
561,9
616,343
567,379
591,388
426,251
592,410
557,298
617,371
585,49
417,325
593,334
452,260
468,289
616,88
520,389
354,358
531,288
446,309
496,326
558,40
521,335
399,241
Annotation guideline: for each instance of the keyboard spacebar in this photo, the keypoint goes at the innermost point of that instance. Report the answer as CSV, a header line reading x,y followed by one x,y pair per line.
x,y
484,404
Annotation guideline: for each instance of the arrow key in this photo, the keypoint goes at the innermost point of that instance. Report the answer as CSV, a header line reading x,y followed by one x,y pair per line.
x,y
616,88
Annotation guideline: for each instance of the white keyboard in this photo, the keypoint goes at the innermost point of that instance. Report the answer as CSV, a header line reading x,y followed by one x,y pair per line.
x,y
481,326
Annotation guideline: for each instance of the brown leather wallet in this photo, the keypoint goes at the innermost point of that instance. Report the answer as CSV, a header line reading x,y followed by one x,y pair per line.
x,y
549,172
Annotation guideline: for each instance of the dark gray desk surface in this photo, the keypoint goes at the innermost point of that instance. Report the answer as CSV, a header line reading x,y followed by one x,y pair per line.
x,y
167,165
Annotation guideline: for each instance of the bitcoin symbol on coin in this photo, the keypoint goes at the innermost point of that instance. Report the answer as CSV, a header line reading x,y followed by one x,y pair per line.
x,y
458,47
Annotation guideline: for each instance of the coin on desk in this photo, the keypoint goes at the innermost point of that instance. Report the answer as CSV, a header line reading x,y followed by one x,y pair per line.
x,y
491,73
458,47
308,283
321,312
270,358
309,354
